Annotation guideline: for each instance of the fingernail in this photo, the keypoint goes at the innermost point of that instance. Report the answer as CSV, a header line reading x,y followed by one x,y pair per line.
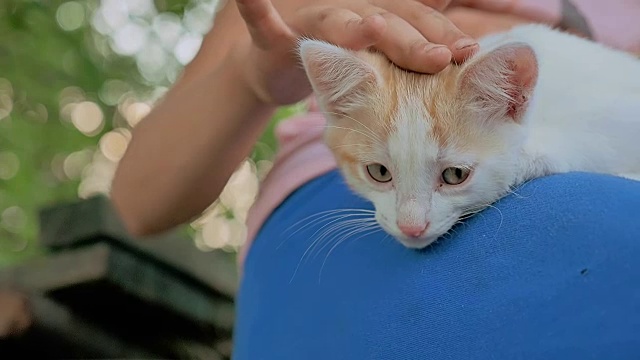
x,y
465,43
435,48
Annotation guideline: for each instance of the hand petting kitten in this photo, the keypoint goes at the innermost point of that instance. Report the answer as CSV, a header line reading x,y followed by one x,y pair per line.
x,y
413,34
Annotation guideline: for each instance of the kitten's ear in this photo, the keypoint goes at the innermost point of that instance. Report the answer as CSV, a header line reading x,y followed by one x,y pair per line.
x,y
501,82
339,77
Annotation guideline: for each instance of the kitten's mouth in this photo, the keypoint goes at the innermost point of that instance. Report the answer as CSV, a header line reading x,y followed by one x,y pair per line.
x,y
433,233
417,243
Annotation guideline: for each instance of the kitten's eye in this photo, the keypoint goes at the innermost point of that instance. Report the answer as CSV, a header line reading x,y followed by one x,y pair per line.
x,y
379,173
455,175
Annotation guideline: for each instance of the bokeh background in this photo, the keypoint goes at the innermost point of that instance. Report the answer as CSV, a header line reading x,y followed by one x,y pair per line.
x,y
75,79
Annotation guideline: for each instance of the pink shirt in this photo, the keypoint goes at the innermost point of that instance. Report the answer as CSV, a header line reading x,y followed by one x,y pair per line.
x,y
302,155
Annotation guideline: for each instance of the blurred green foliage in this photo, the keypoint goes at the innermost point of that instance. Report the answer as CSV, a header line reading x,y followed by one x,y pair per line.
x,y
39,59
43,66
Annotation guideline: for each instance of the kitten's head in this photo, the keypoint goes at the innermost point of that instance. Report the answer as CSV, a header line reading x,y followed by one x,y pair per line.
x,y
424,149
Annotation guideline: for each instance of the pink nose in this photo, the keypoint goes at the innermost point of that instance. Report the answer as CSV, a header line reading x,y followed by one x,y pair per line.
x,y
413,230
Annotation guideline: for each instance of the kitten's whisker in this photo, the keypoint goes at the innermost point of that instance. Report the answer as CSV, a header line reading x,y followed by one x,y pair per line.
x,y
342,223
322,214
501,219
513,188
342,227
339,233
324,234
371,229
326,216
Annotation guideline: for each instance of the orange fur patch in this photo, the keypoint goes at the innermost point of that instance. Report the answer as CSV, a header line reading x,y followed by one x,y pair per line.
x,y
443,108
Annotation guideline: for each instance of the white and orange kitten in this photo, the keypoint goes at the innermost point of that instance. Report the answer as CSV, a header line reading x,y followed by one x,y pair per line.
x,y
428,149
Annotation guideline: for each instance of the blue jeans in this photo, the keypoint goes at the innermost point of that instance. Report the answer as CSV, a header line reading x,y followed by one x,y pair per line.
x,y
552,272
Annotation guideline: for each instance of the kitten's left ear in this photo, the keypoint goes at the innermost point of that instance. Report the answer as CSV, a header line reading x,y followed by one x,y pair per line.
x,y
501,82
339,77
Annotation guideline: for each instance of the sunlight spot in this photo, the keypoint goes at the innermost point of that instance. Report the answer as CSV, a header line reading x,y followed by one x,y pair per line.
x,y
71,94
5,87
9,165
57,167
113,145
152,60
241,190
6,98
187,47
39,113
168,28
199,18
74,164
136,112
70,15
141,8
113,90
130,38
97,176
6,105
13,219
200,244
111,15
221,232
262,168
88,118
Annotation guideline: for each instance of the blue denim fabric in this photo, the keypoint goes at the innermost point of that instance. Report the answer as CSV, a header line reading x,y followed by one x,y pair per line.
x,y
551,272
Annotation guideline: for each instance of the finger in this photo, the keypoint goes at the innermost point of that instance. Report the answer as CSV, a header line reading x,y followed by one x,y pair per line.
x,y
340,26
488,5
439,5
264,23
435,27
408,48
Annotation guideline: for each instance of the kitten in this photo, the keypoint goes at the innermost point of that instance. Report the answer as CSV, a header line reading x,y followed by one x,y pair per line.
x,y
428,149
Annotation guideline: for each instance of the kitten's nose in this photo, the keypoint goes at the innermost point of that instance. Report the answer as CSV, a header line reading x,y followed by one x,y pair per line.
x,y
413,230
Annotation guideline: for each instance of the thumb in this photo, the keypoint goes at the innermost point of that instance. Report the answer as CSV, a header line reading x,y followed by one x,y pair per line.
x,y
264,22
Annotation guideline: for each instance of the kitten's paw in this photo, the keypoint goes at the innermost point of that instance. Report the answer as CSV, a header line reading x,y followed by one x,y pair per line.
x,y
635,177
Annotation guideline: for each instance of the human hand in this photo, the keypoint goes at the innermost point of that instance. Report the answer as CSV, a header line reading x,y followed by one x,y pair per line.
x,y
411,33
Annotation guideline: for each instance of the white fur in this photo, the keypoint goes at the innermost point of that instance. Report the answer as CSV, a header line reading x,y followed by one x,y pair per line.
x,y
342,73
583,115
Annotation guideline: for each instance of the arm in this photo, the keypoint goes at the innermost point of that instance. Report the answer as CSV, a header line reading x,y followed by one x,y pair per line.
x,y
179,159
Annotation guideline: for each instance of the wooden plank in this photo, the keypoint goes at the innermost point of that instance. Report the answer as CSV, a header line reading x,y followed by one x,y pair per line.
x,y
159,286
94,220
117,270
217,269
81,221
59,270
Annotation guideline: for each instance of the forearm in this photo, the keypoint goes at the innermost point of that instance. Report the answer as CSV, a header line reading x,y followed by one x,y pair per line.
x,y
183,153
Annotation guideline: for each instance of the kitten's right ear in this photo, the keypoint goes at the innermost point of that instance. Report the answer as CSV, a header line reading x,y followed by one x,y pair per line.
x,y
339,77
502,81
